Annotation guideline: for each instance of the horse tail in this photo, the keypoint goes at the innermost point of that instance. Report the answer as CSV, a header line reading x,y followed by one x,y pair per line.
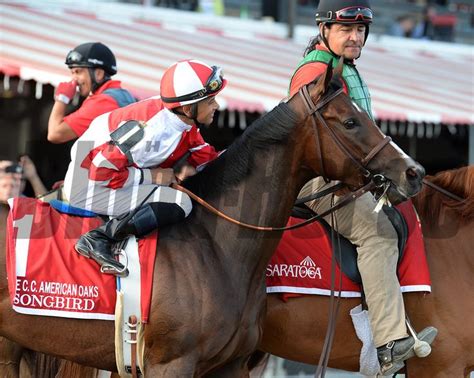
x,y
72,369
41,365
36,364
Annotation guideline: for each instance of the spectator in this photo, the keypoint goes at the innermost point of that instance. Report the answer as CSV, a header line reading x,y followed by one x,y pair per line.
x,y
15,175
408,27
10,180
31,175
442,24
92,65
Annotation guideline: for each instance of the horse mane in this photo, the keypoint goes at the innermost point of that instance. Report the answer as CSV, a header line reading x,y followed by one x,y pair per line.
x,y
238,160
429,202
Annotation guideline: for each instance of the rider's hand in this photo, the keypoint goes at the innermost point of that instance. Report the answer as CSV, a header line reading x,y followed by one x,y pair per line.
x,y
185,171
163,176
65,91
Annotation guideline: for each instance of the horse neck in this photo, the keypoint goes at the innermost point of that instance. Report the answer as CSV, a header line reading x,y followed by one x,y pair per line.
x,y
265,198
448,237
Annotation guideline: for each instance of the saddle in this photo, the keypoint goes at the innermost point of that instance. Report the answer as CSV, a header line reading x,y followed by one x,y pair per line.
x,y
347,259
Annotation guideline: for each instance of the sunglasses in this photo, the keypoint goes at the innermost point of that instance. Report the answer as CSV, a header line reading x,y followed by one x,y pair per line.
x,y
354,14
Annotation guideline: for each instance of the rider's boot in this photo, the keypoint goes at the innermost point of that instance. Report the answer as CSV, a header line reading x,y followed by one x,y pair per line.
x,y
97,244
393,354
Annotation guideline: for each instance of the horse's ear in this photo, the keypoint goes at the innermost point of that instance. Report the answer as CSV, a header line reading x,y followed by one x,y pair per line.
x,y
338,70
324,80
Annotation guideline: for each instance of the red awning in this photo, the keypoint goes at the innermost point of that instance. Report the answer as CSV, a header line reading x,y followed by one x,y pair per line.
x,y
406,84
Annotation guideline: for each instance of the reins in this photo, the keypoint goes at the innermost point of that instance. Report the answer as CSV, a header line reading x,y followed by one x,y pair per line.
x,y
443,191
344,201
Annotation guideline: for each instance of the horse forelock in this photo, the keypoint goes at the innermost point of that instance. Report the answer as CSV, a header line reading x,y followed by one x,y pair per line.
x,y
430,202
236,163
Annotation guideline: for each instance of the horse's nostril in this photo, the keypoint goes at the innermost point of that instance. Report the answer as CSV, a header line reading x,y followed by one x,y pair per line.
x,y
413,173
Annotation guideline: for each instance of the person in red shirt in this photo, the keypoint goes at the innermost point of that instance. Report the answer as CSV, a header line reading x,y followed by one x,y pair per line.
x,y
129,153
343,30
92,65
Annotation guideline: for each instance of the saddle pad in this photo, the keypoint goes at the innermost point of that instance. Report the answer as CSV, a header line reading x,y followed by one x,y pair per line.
x,y
46,276
302,262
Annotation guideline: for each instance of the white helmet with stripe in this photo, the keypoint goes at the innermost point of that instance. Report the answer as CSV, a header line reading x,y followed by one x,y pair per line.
x,y
190,81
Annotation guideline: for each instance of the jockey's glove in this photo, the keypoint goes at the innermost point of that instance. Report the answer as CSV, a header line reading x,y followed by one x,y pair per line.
x,y
65,91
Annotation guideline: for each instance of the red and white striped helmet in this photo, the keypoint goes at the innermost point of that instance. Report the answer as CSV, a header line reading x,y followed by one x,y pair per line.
x,y
190,81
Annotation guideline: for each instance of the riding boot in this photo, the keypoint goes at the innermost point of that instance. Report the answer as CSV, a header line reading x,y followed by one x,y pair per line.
x,y
97,244
392,355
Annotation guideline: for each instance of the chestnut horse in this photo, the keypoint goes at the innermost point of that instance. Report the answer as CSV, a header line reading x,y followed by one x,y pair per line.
x,y
296,329
208,302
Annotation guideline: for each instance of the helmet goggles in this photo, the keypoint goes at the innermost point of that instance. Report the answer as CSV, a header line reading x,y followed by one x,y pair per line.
x,y
213,85
347,15
74,57
354,14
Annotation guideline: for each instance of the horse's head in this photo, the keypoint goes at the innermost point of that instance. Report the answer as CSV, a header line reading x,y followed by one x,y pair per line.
x,y
341,142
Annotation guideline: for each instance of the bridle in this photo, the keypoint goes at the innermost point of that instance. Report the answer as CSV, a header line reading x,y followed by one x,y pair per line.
x,y
375,181
314,111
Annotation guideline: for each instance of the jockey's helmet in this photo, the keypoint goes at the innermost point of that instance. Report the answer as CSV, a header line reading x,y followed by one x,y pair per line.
x,y
345,12
190,81
92,55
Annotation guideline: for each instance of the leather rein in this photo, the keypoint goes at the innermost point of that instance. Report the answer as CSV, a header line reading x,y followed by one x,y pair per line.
x,y
443,191
376,181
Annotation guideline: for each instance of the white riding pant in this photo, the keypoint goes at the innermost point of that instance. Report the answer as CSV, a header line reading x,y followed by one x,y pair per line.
x,y
90,195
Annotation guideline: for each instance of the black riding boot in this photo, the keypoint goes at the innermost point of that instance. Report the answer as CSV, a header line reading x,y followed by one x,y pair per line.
x,y
97,243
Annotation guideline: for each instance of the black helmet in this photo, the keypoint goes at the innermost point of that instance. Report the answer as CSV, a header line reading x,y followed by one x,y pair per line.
x,y
344,12
92,55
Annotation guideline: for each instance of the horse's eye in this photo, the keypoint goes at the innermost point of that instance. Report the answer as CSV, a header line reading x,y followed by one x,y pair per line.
x,y
350,123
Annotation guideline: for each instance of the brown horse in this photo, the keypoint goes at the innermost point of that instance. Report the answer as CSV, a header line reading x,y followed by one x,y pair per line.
x,y
296,329
208,302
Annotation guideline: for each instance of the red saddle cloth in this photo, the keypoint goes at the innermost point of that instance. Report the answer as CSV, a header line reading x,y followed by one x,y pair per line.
x,y
46,276
302,261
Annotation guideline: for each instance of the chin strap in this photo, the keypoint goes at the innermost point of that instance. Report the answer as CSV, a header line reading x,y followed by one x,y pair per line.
x,y
94,84
194,114
324,39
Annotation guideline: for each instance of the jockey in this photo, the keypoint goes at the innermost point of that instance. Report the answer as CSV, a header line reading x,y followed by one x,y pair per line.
x,y
91,65
343,30
129,152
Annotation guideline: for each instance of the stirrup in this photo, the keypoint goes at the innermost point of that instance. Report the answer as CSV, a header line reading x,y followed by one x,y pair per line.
x,y
389,369
109,269
425,337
